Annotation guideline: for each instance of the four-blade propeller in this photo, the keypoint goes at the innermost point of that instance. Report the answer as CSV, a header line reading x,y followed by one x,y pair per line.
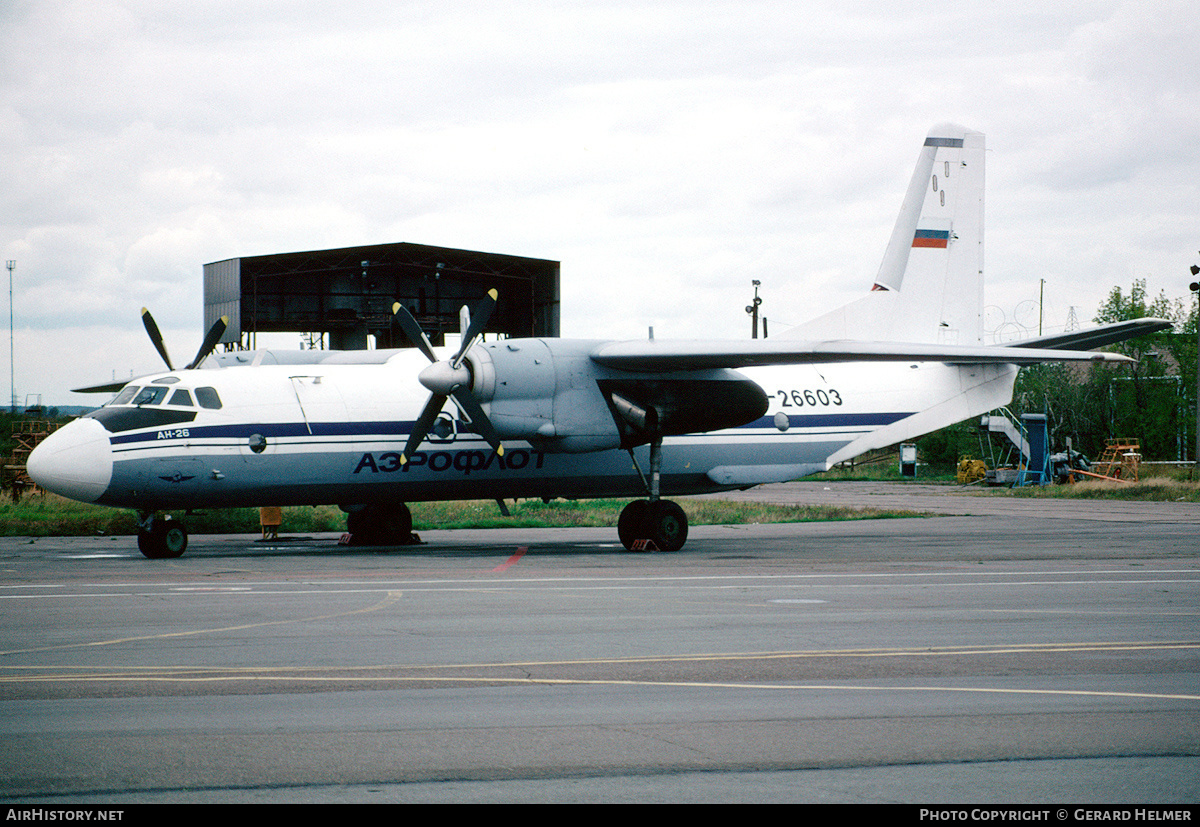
x,y
450,378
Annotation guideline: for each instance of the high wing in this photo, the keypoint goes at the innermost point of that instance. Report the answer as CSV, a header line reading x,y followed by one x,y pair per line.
x,y
666,355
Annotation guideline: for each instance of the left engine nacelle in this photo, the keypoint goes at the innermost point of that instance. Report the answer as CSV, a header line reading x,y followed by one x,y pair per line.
x,y
551,393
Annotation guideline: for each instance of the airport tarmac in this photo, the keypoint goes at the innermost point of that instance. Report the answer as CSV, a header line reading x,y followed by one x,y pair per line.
x,y
1010,651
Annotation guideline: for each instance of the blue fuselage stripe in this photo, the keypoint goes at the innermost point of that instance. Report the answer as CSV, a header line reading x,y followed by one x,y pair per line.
x,y
339,431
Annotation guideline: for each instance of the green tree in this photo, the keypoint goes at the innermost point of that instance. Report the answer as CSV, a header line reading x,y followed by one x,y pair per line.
x,y
1152,400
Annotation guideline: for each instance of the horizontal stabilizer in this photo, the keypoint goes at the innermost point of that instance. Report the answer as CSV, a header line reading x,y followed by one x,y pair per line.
x,y
1097,336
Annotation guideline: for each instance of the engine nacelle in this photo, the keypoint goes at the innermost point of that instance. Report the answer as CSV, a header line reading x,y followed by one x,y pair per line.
x,y
550,393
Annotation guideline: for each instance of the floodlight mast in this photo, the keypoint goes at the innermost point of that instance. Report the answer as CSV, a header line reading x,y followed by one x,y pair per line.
x,y
752,309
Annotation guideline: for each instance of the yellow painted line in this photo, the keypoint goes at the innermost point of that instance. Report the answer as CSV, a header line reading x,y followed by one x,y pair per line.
x,y
388,600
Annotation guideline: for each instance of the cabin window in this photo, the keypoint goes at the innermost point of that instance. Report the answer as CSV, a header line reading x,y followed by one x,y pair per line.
x,y
207,398
127,393
150,396
181,397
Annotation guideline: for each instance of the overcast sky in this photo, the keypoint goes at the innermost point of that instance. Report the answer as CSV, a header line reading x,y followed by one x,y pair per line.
x,y
667,153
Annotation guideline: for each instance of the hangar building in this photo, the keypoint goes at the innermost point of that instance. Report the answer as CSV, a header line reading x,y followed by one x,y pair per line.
x,y
346,295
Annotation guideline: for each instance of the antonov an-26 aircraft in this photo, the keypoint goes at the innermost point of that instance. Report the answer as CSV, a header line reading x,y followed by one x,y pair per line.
x,y
371,430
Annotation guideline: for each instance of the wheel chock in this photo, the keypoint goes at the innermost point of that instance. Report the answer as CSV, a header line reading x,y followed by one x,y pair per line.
x,y
346,539
644,545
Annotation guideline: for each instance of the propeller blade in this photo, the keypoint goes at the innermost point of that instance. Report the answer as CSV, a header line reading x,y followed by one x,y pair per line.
x,y
480,424
156,337
210,341
421,427
413,330
479,320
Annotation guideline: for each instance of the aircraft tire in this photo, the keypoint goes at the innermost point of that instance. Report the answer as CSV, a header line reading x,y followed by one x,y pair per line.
x,y
396,524
381,525
146,545
667,525
632,524
165,540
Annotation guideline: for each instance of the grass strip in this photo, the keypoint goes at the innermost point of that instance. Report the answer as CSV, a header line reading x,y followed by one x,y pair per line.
x,y
1156,489
52,516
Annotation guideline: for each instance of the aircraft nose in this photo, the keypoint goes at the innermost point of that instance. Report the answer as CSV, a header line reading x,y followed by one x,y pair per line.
x,y
74,461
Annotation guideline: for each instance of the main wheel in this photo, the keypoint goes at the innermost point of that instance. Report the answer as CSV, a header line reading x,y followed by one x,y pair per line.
x,y
631,525
381,525
395,524
667,525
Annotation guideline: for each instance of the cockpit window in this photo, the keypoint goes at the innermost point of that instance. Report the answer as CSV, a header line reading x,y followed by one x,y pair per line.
x,y
127,393
180,397
207,398
150,396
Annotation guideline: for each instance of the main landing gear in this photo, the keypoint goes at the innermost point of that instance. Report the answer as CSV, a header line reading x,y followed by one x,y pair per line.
x,y
161,537
660,522
655,520
379,525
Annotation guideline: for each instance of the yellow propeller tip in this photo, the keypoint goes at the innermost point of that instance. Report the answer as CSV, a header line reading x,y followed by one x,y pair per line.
x,y
403,459
395,306
500,450
493,294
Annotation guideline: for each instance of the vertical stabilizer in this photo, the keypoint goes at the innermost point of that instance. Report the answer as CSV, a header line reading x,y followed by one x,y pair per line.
x,y
930,284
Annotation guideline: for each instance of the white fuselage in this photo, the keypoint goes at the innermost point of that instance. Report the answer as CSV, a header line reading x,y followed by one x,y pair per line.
x,y
315,434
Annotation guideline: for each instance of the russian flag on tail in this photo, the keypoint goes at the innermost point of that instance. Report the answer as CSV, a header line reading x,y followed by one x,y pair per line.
x,y
931,238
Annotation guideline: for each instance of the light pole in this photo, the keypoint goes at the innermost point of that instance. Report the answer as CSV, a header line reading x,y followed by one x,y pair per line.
x,y
1195,288
752,309
12,359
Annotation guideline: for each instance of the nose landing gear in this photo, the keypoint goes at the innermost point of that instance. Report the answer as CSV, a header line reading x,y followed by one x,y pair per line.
x,y
376,525
161,537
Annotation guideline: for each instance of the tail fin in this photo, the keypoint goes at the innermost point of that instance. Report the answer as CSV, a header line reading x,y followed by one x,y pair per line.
x,y
930,284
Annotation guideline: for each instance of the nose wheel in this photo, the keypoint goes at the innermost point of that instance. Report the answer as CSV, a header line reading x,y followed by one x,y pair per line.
x,y
161,537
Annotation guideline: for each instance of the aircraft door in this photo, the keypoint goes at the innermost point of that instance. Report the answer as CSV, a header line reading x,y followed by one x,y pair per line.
x,y
321,403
